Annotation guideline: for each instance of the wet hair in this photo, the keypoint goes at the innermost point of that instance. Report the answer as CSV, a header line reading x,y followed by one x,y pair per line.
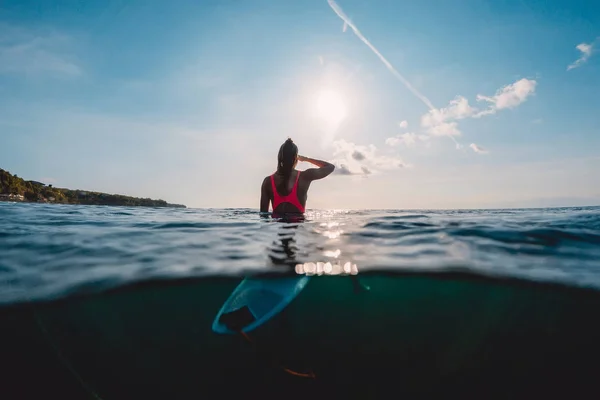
x,y
285,163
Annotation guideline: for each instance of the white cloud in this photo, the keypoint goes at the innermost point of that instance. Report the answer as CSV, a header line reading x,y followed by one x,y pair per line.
x,y
408,139
403,124
353,159
24,51
586,52
424,138
393,141
478,149
510,96
458,108
445,129
443,121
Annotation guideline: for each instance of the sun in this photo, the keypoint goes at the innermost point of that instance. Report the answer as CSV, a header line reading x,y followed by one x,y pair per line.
x,y
330,107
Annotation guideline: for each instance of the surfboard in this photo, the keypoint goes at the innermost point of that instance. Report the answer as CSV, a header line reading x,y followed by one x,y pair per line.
x,y
255,301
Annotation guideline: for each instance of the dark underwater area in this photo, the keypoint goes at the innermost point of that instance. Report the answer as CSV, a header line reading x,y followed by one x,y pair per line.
x,y
412,335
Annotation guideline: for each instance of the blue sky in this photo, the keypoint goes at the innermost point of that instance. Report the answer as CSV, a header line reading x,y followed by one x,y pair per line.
x,y
429,104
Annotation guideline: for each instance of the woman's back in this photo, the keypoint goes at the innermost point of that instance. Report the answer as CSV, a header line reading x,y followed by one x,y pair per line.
x,y
293,198
287,188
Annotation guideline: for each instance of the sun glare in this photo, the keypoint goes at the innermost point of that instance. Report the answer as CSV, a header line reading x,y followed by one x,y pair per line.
x,y
330,107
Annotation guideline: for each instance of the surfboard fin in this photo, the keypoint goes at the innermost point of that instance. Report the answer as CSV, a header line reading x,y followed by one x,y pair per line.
x,y
300,374
309,374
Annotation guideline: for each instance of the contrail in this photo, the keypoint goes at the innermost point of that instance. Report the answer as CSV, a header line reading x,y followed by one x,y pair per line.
x,y
393,70
406,83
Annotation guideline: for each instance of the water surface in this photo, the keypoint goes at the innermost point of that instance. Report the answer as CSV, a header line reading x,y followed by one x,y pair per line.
x,y
117,303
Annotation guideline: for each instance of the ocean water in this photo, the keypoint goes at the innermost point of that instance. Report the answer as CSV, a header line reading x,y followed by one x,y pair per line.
x,y
117,303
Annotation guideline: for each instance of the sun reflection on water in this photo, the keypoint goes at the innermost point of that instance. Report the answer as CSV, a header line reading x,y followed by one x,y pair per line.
x,y
326,268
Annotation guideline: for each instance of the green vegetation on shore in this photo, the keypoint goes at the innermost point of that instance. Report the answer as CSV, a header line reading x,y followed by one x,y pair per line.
x,y
13,188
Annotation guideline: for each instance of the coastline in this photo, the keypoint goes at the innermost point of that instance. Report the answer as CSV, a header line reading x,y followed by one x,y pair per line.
x,y
16,189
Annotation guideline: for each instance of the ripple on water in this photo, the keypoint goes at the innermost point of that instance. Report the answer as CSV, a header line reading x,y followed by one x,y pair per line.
x,y
50,250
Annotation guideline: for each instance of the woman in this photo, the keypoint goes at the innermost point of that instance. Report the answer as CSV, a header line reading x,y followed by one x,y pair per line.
x,y
287,191
287,188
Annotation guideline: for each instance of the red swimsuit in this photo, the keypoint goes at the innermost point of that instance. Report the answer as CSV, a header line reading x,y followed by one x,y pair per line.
x,y
291,198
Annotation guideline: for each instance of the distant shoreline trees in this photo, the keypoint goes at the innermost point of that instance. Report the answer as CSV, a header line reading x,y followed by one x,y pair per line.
x,y
12,188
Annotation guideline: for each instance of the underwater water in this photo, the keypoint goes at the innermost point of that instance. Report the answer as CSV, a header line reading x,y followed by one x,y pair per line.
x,y
118,303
